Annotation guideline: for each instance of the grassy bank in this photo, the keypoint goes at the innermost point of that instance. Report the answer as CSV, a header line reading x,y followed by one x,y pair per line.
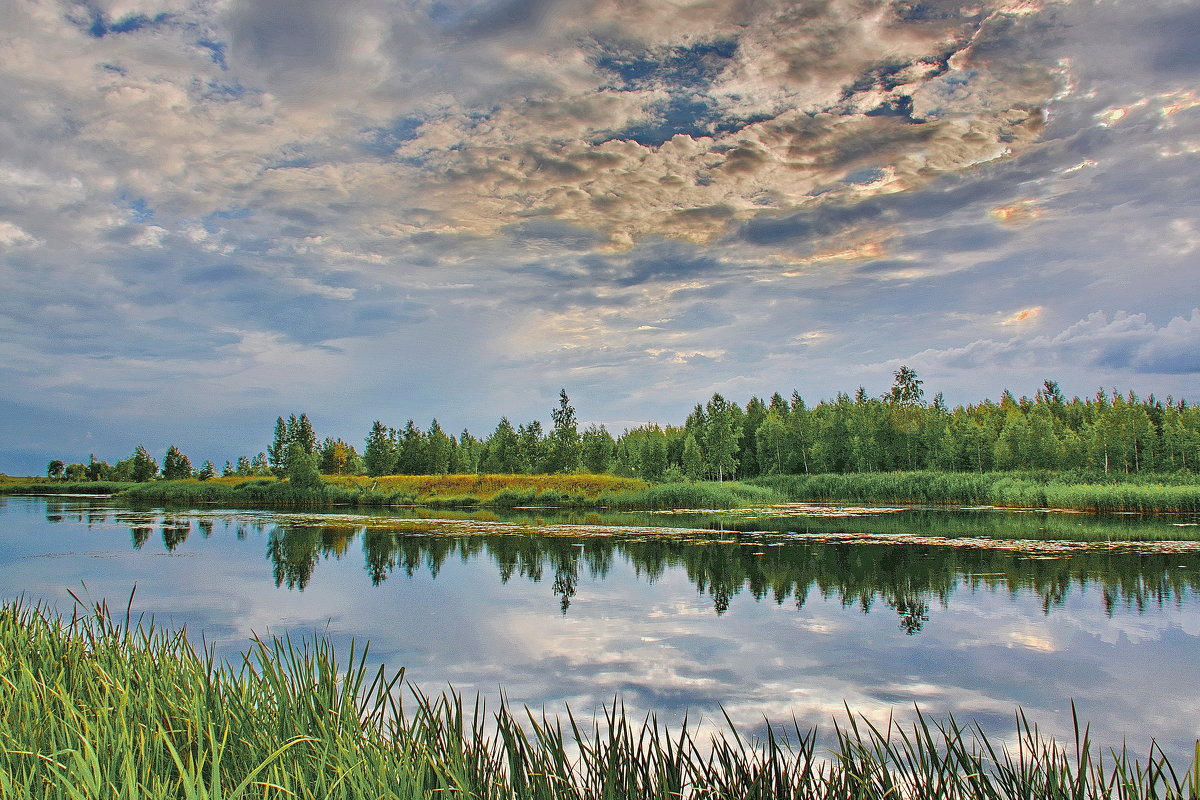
x,y
94,709
1166,493
457,491
43,486
1145,493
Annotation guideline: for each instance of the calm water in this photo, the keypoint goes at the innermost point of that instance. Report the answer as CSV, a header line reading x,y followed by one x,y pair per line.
x,y
793,621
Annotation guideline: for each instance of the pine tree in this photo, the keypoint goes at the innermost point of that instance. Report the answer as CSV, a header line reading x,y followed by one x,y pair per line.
x,y
379,456
410,455
304,435
439,450
277,452
503,454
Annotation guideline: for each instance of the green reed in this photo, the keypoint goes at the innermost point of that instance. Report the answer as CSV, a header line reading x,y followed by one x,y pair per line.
x,y
1163,493
95,708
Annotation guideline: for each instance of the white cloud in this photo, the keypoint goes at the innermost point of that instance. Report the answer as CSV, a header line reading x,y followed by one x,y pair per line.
x,y
1123,342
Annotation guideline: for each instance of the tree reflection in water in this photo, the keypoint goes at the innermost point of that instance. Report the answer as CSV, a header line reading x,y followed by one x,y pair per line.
x,y
908,578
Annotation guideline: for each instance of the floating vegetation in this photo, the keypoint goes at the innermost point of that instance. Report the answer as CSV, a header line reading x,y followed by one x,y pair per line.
x,y
785,510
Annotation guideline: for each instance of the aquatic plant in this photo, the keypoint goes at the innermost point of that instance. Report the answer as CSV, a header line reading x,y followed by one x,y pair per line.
x,y
96,708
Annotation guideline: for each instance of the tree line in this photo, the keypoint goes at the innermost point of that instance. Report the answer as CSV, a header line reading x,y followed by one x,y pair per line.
x,y
720,440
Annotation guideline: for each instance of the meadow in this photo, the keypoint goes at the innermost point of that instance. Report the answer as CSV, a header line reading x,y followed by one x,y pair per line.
x,y
97,707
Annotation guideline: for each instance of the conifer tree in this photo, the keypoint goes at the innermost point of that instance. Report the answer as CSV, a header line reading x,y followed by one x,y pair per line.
x,y
277,452
304,435
379,455
439,450
503,448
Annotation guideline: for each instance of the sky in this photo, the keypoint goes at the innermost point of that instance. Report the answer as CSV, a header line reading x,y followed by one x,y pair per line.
x,y
217,212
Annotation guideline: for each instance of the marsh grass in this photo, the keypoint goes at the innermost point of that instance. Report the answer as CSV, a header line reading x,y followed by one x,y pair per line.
x,y
458,491
1077,491
95,708
42,486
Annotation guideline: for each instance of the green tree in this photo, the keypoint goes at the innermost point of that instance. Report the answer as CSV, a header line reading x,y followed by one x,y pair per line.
x,y
380,454
1012,447
145,468
54,470
176,466
439,450
906,388
410,453
533,448
597,448
653,454
564,437
277,452
98,470
771,444
468,453
755,415
503,449
304,435
207,470
302,468
721,437
693,459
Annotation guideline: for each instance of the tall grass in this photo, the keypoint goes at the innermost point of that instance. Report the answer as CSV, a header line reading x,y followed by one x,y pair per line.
x,y
30,486
458,491
96,709
1010,489
691,495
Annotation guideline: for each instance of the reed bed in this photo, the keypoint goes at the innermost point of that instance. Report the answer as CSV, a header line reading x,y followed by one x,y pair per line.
x,y
486,486
94,708
458,491
1146,494
32,486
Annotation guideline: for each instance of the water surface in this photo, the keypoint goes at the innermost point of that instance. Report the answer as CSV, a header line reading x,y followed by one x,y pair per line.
x,y
879,610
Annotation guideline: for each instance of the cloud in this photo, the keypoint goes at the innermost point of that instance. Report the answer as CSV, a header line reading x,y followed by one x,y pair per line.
x,y
1127,342
645,201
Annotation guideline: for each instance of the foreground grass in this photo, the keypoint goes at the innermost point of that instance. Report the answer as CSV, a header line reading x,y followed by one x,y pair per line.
x,y
1083,492
95,709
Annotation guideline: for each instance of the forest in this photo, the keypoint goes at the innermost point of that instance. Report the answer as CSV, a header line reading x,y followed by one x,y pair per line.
x,y
1107,433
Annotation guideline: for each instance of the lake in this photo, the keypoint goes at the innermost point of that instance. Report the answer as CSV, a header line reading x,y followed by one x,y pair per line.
x,y
792,612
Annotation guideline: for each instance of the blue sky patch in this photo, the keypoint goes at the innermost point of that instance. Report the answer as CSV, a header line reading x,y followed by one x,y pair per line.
x,y
687,115
101,25
694,67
